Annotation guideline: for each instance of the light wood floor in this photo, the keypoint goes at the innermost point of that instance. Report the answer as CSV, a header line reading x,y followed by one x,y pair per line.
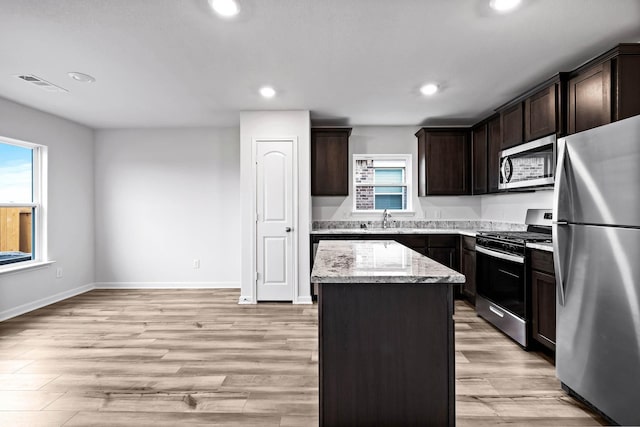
x,y
195,357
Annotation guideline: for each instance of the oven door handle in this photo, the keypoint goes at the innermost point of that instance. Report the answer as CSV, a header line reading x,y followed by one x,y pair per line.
x,y
506,257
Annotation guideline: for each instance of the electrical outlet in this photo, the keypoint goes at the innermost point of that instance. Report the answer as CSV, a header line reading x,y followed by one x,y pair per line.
x,y
59,273
196,263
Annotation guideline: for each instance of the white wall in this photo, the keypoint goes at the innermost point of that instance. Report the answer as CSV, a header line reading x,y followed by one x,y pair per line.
x,y
510,207
275,124
165,197
70,210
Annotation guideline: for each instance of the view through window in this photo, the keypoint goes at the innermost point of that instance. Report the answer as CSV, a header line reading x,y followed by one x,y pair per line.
x,y
19,201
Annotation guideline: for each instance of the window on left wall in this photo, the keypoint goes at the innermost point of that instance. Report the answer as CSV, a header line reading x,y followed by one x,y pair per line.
x,y
22,173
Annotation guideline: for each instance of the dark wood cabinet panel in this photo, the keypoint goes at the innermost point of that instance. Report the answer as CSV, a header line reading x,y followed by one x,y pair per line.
x,y
468,267
443,162
445,256
628,86
386,354
443,240
542,261
543,289
605,89
512,125
479,158
422,164
590,98
494,142
543,298
540,114
330,161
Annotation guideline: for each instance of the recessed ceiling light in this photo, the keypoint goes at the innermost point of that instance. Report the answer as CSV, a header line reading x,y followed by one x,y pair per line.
x,y
267,92
503,6
81,77
429,89
225,8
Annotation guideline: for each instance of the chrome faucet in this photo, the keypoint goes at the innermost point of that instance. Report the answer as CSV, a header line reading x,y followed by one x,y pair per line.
x,y
385,219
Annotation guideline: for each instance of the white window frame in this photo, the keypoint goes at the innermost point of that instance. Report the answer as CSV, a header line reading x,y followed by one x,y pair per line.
x,y
408,161
38,204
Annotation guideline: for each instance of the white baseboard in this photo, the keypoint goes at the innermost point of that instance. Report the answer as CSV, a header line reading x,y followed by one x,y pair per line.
x,y
43,302
167,285
304,300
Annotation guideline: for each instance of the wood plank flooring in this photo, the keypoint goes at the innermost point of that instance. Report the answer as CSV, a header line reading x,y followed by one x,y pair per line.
x,y
196,357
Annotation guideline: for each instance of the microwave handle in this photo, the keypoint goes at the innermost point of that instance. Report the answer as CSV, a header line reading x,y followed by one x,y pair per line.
x,y
503,170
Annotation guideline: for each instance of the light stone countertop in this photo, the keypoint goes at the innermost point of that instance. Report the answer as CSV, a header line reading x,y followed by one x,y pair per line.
x,y
471,233
541,246
377,261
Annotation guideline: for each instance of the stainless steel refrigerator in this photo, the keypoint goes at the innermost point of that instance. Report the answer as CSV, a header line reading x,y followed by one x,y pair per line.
x,y
596,237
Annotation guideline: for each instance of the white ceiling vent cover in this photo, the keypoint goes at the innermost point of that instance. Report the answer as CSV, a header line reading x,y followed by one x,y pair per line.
x,y
41,83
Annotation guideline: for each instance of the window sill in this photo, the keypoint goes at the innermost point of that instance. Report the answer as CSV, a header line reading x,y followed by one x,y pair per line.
x,y
380,212
22,266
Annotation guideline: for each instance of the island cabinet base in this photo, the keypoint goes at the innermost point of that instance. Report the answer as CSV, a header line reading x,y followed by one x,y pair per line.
x,y
386,354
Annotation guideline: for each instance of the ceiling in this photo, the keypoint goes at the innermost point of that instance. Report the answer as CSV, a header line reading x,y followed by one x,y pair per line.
x,y
173,63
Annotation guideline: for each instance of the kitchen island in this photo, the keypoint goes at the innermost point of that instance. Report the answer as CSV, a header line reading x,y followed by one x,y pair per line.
x,y
386,348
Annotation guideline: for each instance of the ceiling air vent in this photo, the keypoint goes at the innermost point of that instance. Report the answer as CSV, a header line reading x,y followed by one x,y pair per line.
x,y
41,83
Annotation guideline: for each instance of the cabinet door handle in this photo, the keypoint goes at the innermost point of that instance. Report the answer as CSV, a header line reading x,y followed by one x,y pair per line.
x,y
287,229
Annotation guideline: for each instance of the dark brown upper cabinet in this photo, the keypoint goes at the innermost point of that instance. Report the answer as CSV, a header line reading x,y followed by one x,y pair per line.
x,y
330,161
494,142
590,98
443,161
512,119
479,158
540,113
535,113
605,89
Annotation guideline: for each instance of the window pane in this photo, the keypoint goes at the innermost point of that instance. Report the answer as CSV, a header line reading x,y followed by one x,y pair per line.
x,y
16,242
389,176
16,174
389,201
388,190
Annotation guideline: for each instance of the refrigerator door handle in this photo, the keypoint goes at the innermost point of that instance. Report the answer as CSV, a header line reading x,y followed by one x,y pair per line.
x,y
559,248
558,261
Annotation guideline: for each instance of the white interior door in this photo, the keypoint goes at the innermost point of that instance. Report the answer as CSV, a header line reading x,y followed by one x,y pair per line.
x,y
274,225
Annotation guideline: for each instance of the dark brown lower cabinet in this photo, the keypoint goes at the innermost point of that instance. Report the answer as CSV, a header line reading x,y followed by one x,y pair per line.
x,y
468,267
444,249
543,299
386,354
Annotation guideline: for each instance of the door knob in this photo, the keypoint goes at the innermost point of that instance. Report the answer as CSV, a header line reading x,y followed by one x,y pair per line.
x,y
287,229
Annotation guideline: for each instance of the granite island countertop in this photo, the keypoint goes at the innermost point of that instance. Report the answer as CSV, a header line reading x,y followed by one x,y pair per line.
x,y
377,261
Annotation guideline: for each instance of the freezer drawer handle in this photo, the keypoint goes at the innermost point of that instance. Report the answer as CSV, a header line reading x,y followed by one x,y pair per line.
x,y
496,311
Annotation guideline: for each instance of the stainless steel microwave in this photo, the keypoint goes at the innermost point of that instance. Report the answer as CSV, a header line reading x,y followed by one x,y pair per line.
x,y
528,165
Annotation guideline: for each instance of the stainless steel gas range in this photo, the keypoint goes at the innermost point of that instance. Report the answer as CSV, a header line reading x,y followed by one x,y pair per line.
x,y
503,294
